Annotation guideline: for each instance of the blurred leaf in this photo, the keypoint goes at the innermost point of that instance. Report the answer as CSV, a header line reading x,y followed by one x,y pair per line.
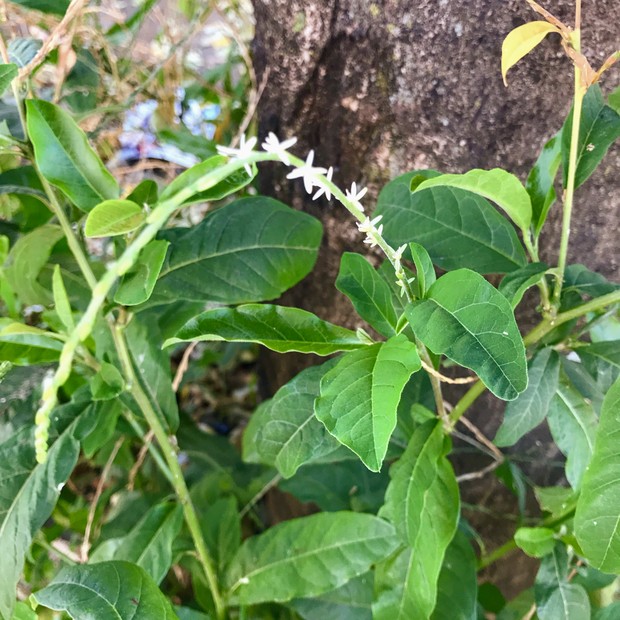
x,y
469,321
145,193
579,278
82,83
62,304
24,183
514,284
7,74
239,254
535,541
58,7
360,395
107,383
24,347
221,526
602,359
105,590
308,556
556,500
65,158
114,217
22,50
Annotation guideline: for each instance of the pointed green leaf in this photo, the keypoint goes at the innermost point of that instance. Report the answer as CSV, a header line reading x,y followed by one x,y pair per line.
x,y
579,278
456,227
107,383
61,300
360,395
572,422
250,250
278,328
496,185
514,284
308,556
114,217
368,292
138,283
425,272
529,409
145,193
284,431
65,158
104,591
540,184
535,541
600,128
597,520
7,74
469,321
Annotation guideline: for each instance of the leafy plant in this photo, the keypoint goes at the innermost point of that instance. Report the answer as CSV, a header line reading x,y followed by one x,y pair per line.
x,y
86,342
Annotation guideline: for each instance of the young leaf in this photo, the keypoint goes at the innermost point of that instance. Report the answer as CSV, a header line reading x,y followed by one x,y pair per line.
x,y
65,157
521,41
456,227
23,345
105,590
138,283
425,272
515,283
114,217
368,292
250,250
529,409
541,179
145,193
497,185
360,395
7,75
61,300
423,503
572,422
535,541
107,383
278,328
308,556
284,431
597,520
469,321
600,128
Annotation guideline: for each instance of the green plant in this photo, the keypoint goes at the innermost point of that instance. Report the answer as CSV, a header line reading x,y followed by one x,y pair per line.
x,y
89,329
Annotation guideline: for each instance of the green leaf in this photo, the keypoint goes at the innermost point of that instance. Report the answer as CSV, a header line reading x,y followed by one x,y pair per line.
x,y
521,41
25,261
469,321
114,217
425,272
308,556
572,422
145,193
138,283
602,359
278,328
360,395
535,541
65,158
368,292
597,520
611,612
29,491
107,414
229,185
61,300
107,383
600,128
457,228
7,74
221,526
514,284
497,185
58,7
556,500
457,586
250,250
23,345
149,543
284,431
23,611
106,590
580,279
529,409
25,185
556,599
540,184
423,503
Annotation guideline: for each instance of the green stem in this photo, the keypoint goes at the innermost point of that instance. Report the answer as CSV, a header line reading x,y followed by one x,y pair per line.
x,y
171,458
500,552
572,167
466,402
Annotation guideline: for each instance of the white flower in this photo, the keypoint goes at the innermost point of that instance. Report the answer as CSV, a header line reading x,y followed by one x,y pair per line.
x,y
307,172
245,150
402,281
273,145
323,188
368,225
354,196
398,254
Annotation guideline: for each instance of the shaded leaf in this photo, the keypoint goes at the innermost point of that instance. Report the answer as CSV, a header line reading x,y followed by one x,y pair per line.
x,y
107,383
24,346
7,74
580,279
114,217
425,272
145,193
221,526
62,304
360,395
469,321
58,7
514,284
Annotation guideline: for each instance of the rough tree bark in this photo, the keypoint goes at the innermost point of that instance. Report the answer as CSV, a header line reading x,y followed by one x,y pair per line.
x,y
379,88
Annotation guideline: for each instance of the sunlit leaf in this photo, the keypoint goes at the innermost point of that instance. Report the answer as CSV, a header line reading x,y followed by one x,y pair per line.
x,y
113,217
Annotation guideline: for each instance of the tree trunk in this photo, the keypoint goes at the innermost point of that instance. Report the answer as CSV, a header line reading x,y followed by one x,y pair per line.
x,y
380,88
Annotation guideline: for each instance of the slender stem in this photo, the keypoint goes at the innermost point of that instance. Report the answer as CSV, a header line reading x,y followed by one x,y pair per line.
x,y
466,402
498,553
171,457
572,164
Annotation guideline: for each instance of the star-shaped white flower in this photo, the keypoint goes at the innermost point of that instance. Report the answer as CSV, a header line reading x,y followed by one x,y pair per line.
x,y
245,149
323,189
307,172
398,254
273,145
368,225
355,196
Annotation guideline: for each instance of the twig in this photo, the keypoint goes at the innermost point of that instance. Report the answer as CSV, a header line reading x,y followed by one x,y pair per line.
x,y
183,366
474,475
530,614
148,438
460,381
85,547
497,454
252,105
